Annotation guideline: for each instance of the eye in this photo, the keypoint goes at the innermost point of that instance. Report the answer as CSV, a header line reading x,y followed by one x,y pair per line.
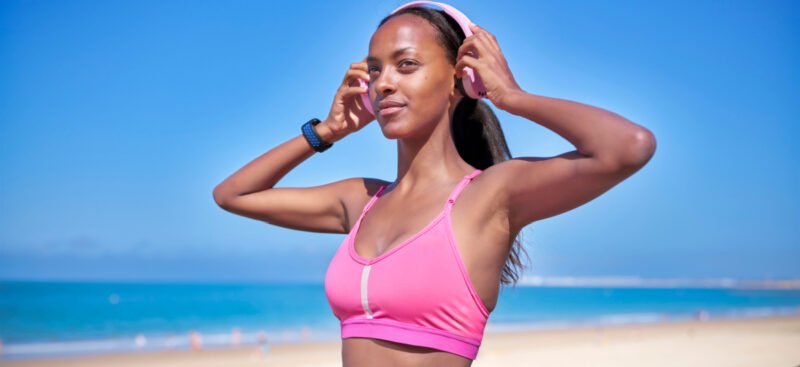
x,y
407,62
403,63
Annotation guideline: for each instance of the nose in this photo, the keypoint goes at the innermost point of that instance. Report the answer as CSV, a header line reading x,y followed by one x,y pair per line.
x,y
384,83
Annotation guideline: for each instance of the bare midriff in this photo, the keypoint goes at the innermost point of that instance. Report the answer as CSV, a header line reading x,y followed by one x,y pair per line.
x,y
368,352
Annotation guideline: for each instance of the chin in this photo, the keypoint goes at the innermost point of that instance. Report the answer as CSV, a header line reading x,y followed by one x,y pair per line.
x,y
396,128
393,131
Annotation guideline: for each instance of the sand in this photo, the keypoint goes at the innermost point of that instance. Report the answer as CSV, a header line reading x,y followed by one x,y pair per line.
x,y
762,342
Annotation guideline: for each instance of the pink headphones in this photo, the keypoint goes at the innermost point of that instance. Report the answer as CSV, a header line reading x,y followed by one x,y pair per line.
x,y
472,82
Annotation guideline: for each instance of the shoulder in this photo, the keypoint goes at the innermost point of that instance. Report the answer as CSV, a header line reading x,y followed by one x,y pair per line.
x,y
493,187
492,182
358,188
355,193
485,193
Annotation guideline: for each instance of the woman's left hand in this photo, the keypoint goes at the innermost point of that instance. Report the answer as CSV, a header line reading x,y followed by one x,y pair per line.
x,y
490,64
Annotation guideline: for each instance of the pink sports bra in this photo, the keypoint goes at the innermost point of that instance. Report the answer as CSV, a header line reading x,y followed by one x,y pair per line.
x,y
416,293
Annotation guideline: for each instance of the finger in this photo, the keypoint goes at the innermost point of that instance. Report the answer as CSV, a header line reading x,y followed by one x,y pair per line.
x,y
488,38
359,65
478,30
352,90
352,75
467,47
475,29
488,41
466,61
487,53
476,47
354,93
480,44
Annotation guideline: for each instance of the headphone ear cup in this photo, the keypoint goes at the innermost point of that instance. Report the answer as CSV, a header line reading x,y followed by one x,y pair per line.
x,y
365,97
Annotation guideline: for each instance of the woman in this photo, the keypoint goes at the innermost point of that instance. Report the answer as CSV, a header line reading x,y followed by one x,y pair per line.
x,y
420,270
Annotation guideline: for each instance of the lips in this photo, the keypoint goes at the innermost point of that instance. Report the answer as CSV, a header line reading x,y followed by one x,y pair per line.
x,y
390,107
388,111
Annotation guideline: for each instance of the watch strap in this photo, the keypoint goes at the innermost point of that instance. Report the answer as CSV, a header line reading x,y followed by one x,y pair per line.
x,y
312,137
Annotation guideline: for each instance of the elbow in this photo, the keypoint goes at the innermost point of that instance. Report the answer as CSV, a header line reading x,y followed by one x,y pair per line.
x,y
638,150
219,196
641,148
634,151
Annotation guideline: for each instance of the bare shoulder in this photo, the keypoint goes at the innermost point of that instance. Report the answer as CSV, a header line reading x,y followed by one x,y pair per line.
x,y
355,193
492,182
487,197
494,189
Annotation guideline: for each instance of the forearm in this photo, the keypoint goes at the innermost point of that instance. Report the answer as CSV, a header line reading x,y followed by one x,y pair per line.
x,y
265,171
593,131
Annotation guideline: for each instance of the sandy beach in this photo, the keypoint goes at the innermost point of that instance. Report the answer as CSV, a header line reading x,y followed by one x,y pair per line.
x,y
762,342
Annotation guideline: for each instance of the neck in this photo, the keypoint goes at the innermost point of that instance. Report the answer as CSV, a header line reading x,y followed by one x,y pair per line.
x,y
429,161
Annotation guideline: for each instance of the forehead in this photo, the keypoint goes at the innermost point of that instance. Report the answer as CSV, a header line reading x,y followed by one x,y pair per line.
x,y
403,31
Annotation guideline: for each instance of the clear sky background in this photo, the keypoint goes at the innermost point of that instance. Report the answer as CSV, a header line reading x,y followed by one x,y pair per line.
x,y
117,119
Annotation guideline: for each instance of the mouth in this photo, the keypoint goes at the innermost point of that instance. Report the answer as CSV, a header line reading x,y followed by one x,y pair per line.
x,y
391,111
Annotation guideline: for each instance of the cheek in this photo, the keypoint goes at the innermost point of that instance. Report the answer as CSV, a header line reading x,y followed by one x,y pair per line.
x,y
430,90
433,95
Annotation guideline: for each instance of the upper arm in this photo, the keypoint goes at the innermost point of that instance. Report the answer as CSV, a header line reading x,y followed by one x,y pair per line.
x,y
538,188
314,209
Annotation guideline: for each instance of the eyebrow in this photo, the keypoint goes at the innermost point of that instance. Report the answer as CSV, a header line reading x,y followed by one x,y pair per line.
x,y
396,53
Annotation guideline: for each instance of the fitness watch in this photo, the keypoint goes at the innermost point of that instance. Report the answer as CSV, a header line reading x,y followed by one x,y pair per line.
x,y
313,138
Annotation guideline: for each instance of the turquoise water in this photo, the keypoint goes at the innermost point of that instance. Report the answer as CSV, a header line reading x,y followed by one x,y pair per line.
x,y
60,318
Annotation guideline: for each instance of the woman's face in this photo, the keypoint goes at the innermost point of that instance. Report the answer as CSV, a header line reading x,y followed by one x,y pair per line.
x,y
407,65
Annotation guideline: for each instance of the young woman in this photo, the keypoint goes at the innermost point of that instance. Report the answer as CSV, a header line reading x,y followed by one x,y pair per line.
x,y
419,272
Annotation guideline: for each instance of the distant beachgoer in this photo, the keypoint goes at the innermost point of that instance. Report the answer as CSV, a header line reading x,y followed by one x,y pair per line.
x,y
195,340
263,343
264,349
419,272
236,336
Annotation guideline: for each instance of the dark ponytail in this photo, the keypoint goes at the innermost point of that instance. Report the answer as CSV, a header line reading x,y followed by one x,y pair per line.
x,y
475,129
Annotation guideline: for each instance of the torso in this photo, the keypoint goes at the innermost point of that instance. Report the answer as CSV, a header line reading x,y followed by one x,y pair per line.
x,y
482,235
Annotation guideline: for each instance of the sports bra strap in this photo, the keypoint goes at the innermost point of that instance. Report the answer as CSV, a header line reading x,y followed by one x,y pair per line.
x,y
461,185
450,200
372,200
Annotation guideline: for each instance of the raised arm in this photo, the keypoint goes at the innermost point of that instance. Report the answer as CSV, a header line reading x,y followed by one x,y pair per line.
x,y
250,191
609,149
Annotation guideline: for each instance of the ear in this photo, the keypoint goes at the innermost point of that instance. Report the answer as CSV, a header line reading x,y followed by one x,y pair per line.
x,y
458,88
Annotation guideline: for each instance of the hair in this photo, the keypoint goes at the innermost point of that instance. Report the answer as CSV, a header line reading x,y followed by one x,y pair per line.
x,y
475,129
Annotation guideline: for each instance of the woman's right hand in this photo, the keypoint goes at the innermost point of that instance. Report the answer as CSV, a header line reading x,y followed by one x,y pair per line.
x,y
348,113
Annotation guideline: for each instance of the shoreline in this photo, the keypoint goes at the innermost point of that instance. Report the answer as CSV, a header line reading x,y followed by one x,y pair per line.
x,y
766,340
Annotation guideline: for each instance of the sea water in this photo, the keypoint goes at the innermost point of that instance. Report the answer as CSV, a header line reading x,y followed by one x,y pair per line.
x,y
40,319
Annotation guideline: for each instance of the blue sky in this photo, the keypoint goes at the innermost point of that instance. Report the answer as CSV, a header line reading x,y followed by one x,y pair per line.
x,y
117,119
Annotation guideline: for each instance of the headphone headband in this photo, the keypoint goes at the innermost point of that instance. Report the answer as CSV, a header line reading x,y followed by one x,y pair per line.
x,y
458,16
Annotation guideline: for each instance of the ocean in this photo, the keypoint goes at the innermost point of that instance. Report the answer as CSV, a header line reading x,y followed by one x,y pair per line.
x,y
40,319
